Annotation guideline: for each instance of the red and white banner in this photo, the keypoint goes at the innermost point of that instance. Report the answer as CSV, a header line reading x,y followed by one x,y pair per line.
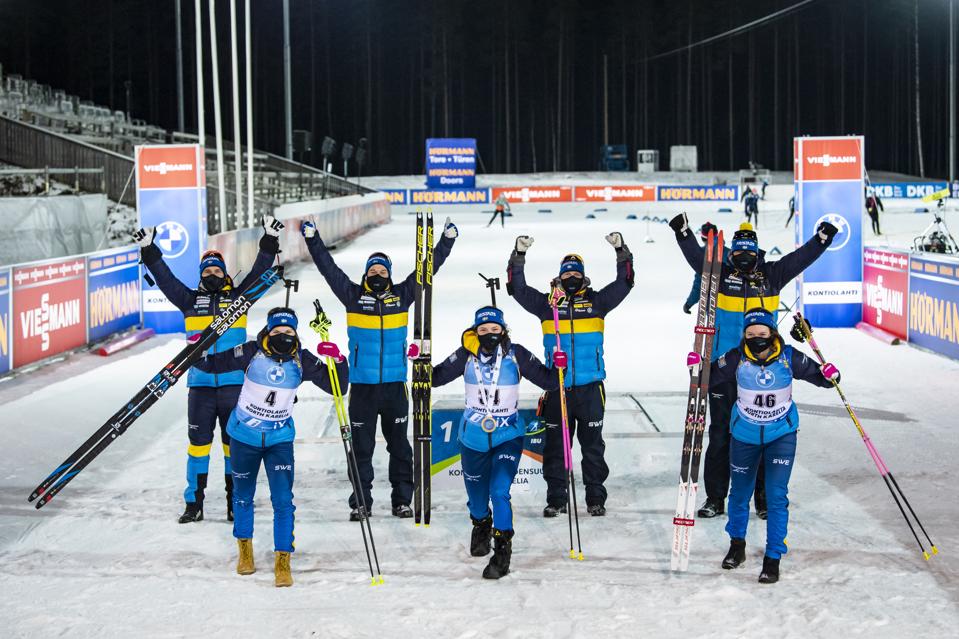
x,y
631,193
830,159
535,194
49,309
885,290
170,166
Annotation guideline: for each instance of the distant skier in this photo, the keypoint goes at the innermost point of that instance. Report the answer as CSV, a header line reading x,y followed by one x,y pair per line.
x,y
693,299
582,313
751,205
262,430
376,319
765,185
873,207
501,209
792,210
746,280
490,433
211,397
763,429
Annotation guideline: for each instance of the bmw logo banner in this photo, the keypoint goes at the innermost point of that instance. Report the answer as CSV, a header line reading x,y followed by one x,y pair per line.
x,y
828,172
171,195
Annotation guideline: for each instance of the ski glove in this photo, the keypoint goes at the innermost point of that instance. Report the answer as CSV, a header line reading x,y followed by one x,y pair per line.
x,y
830,372
680,224
687,309
693,359
450,230
826,231
144,237
615,239
523,242
308,229
272,226
413,351
329,349
560,360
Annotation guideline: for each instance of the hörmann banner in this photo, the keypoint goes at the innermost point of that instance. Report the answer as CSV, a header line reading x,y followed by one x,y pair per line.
x,y
885,290
534,194
49,309
171,195
934,303
394,196
113,292
5,328
829,181
450,163
449,196
683,193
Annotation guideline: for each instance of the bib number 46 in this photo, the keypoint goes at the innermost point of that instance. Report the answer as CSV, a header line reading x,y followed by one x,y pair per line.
x,y
767,401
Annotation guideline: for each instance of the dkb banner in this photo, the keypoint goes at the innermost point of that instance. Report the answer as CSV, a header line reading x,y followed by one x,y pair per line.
x,y
829,181
450,163
171,195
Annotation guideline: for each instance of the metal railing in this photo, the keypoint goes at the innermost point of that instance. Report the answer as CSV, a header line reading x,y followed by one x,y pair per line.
x,y
46,172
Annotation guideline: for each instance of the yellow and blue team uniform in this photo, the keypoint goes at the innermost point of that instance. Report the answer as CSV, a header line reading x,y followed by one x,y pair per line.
x,y
211,396
582,317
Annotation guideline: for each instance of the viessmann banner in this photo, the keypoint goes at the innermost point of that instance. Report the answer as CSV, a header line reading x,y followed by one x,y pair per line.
x,y
829,182
885,290
49,309
534,194
450,163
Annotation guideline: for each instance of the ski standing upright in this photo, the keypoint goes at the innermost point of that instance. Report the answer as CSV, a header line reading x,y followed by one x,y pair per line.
x,y
696,404
422,369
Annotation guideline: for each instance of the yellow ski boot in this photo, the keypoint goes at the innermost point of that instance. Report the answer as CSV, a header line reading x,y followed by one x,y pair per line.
x,y
281,569
244,563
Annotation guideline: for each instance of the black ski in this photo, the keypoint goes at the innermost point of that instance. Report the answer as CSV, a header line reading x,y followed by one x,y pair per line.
x,y
422,370
152,390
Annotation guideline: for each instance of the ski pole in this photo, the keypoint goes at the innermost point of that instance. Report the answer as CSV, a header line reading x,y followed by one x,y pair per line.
x,y
805,330
572,511
321,324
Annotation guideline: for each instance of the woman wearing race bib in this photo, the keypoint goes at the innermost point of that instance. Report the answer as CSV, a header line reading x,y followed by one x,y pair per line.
x,y
763,427
261,427
490,434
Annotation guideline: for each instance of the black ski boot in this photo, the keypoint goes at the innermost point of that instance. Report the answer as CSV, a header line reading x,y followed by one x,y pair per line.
x,y
711,509
402,511
229,497
760,500
193,513
596,510
770,573
356,516
736,555
554,511
482,534
499,563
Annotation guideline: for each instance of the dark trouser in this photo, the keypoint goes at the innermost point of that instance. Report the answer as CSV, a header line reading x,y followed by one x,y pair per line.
x,y
585,406
502,218
874,216
752,211
391,404
722,397
206,405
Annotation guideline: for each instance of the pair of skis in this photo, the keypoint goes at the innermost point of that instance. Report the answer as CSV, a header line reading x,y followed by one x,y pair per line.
x,y
696,404
152,390
423,370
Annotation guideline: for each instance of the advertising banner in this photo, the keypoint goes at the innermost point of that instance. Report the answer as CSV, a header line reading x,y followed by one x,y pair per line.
x,y
447,470
629,193
449,196
5,328
49,309
907,190
830,188
885,290
934,304
535,194
395,196
450,163
171,195
682,193
113,292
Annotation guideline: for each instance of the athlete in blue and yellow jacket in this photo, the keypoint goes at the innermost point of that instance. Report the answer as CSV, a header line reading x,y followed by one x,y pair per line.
x,y
746,281
582,313
211,396
377,317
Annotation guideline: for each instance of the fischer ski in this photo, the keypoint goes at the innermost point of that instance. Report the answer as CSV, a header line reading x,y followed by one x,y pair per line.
x,y
423,370
695,425
152,390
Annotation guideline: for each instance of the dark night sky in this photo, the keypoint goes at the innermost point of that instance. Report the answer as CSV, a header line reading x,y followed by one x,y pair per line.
x,y
399,71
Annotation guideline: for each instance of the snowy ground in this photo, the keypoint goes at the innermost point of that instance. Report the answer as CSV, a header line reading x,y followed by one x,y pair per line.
x,y
107,557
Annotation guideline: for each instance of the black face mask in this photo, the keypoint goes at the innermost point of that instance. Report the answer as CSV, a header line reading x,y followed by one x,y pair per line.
x,y
213,283
745,262
572,284
759,344
377,283
282,343
490,341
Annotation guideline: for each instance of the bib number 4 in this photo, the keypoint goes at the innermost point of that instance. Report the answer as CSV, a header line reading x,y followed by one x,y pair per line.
x,y
271,398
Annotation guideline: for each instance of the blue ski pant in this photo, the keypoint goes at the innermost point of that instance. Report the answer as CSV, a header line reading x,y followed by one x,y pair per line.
x,y
205,406
488,477
778,457
278,461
